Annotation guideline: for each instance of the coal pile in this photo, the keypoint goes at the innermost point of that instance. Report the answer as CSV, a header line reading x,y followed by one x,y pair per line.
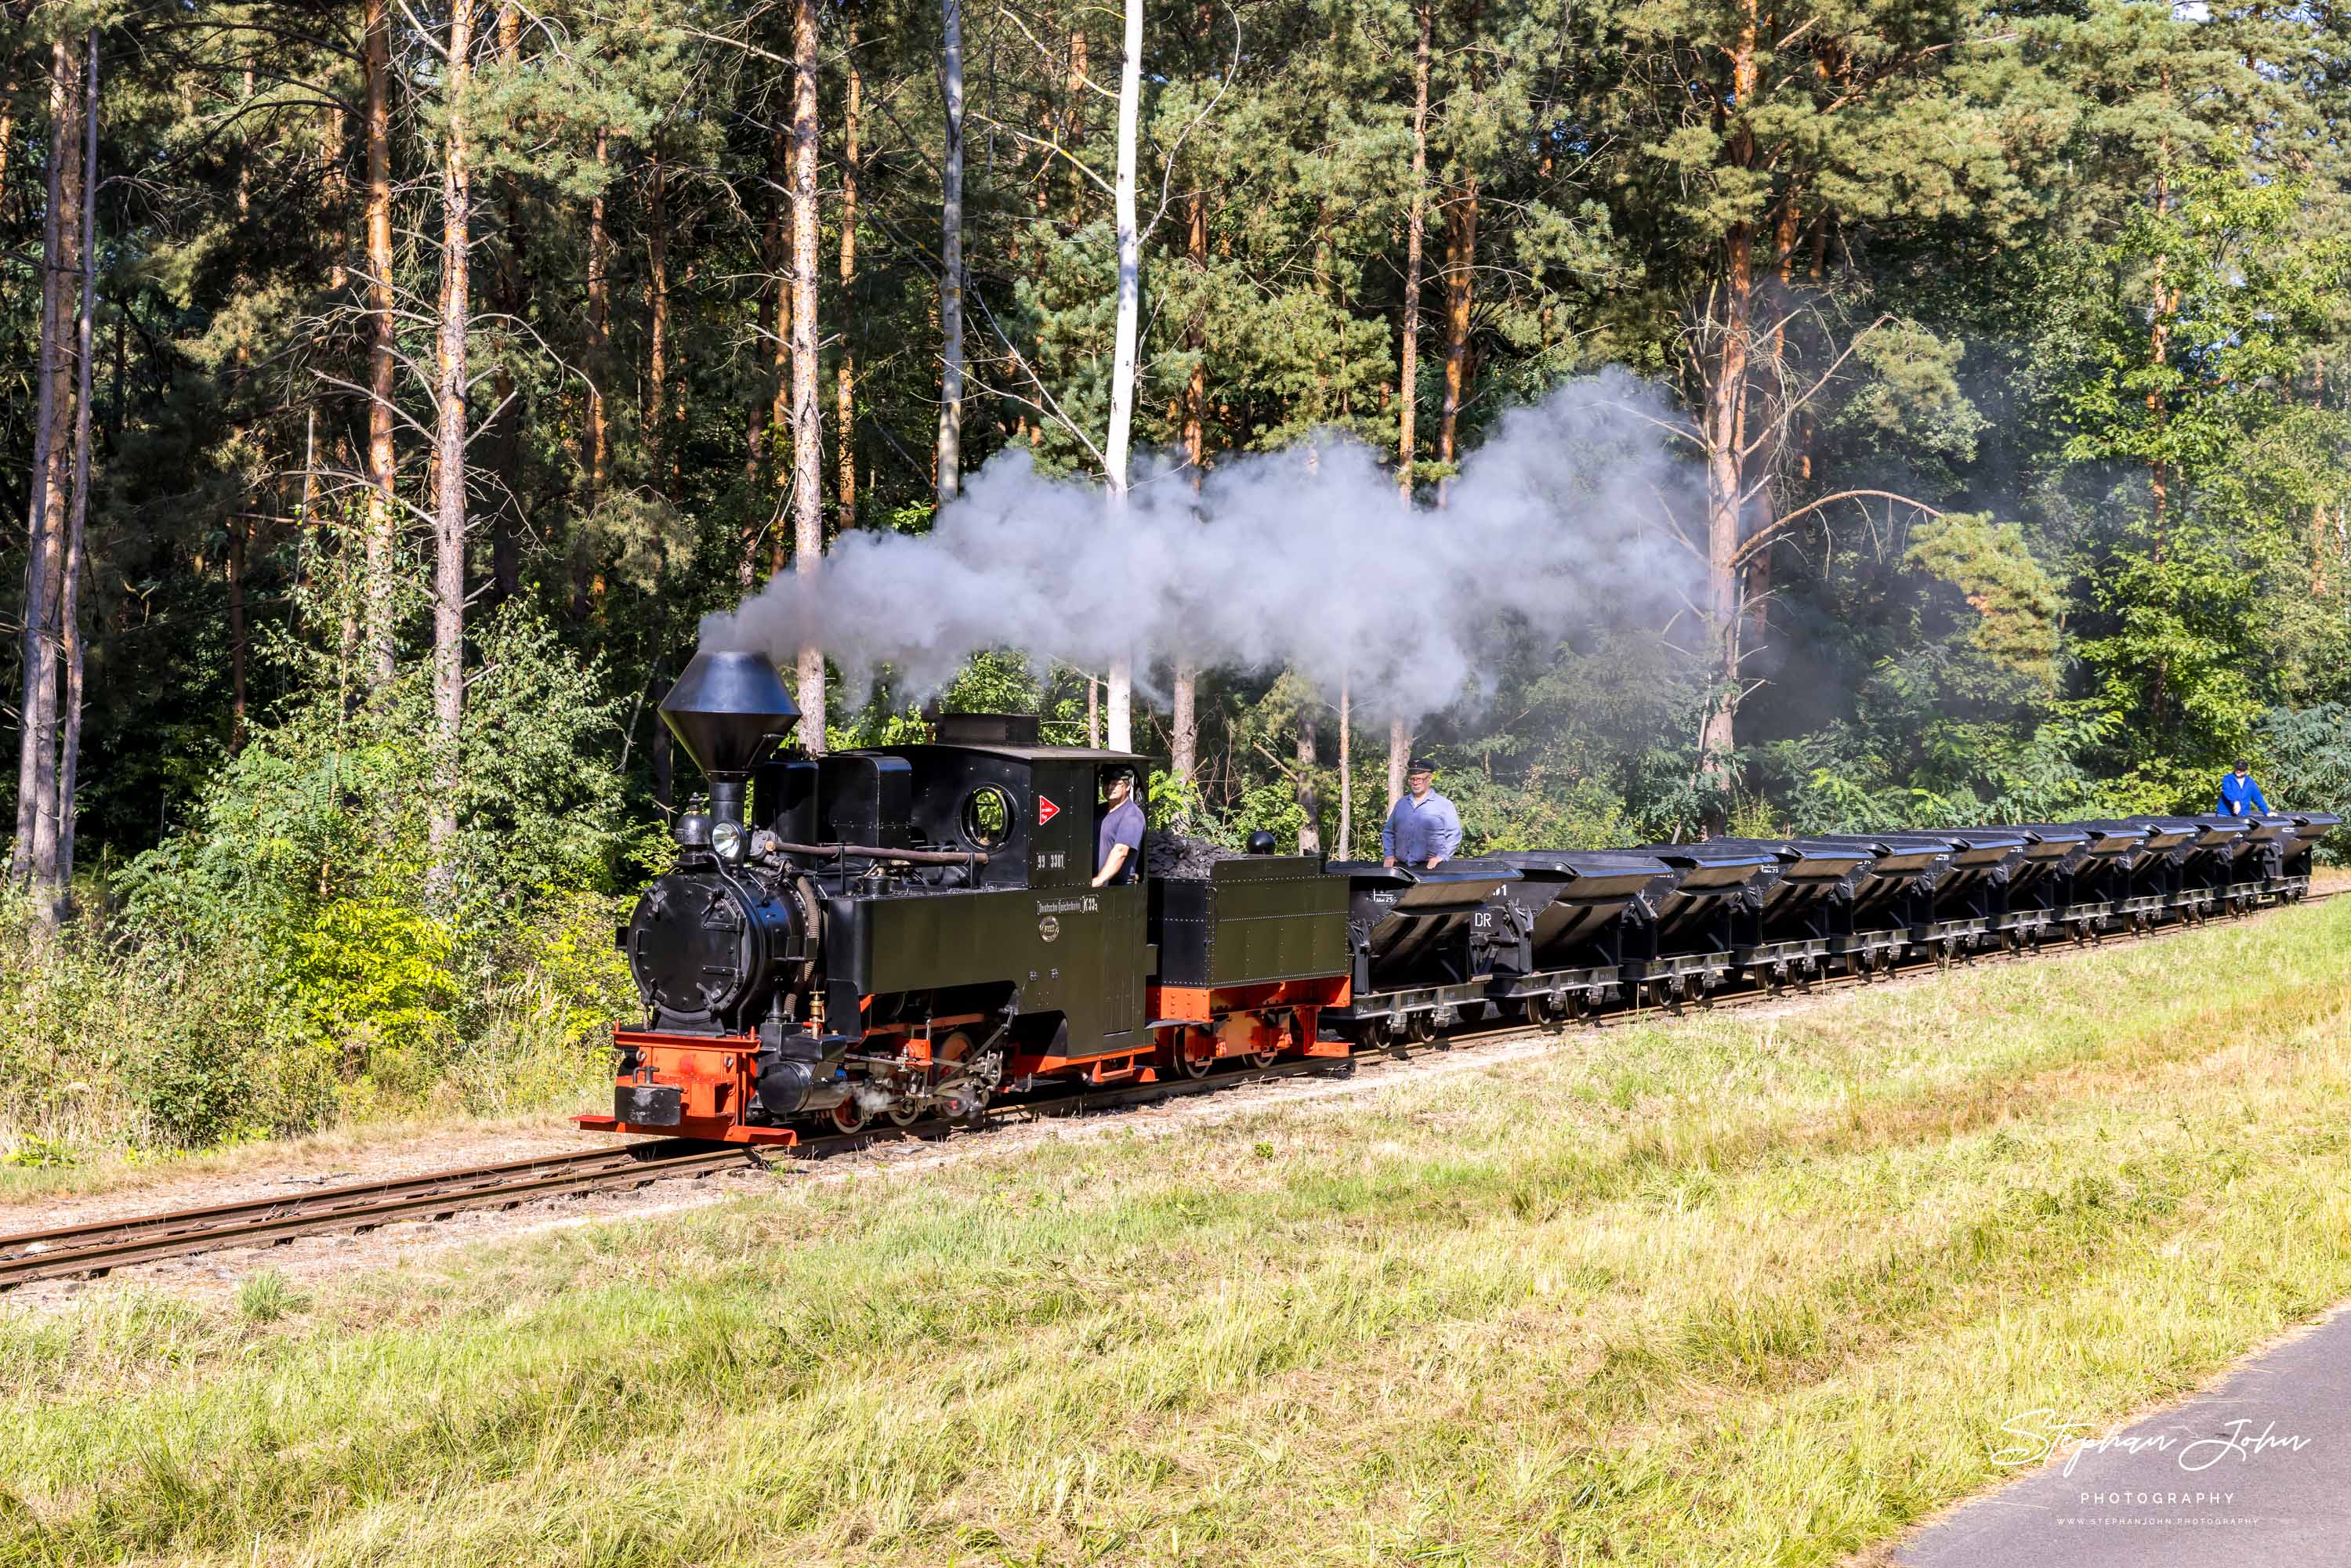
x,y
1166,855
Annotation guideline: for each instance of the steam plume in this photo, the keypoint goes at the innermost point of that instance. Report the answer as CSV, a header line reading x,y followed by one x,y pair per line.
x,y
1304,558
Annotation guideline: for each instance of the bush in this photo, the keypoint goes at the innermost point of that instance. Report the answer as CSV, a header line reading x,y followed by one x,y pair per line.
x,y
290,959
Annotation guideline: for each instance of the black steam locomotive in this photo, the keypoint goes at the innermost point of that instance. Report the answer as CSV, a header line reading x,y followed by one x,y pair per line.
x,y
910,931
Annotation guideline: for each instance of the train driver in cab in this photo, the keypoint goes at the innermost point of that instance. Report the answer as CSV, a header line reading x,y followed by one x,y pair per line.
x,y
1118,841
1422,828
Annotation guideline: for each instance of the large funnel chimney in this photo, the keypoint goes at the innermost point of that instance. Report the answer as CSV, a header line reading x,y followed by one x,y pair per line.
x,y
728,710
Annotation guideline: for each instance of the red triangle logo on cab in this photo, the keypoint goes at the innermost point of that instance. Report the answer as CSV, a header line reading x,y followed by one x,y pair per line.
x,y
1046,810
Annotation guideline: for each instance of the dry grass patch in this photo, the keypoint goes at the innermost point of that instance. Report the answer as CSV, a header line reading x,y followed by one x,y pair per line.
x,y
1729,1289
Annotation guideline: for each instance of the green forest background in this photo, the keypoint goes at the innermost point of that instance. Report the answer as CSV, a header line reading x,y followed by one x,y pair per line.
x,y
2015,335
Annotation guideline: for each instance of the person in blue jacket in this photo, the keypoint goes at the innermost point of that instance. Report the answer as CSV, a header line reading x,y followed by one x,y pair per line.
x,y
2239,796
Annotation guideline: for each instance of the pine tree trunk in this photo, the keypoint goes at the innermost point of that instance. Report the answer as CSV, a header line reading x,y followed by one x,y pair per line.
x,y
449,514
1722,432
8,85
338,196
61,860
657,309
1755,587
600,320
1121,698
379,614
1073,125
238,529
1461,261
1399,753
757,431
845,370
1415,221
779,413
599,369
950,443
45,483
512,299
1184,728
808,436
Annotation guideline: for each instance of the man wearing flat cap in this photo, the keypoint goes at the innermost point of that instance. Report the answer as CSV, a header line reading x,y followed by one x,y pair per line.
x,y
1423,828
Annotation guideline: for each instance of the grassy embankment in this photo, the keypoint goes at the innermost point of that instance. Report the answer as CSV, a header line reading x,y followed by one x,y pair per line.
x,y
1732,1289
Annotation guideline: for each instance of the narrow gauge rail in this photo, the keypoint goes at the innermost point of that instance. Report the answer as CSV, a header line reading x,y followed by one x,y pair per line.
x,y
96,1248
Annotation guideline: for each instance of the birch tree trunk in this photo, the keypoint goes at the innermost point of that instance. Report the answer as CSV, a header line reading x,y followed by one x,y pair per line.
x,y
1120,701
1399,753
382,523
950,444
449,513
1415,221
807,435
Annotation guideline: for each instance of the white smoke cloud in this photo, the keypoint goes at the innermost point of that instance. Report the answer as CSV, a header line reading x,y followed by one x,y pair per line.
x,y
1305,558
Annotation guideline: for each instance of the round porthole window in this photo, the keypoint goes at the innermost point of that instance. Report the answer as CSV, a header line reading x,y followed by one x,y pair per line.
x,y
987,817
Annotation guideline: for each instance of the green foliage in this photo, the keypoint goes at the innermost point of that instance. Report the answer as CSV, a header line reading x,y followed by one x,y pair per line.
x,y
1990,564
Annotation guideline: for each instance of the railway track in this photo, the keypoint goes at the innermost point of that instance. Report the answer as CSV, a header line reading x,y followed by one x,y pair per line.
x,y
96,1248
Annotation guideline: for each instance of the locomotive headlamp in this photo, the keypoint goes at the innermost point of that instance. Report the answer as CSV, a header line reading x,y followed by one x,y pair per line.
x,y
726,838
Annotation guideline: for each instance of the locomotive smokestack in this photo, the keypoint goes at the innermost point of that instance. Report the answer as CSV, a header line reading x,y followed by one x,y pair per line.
x,y
729,710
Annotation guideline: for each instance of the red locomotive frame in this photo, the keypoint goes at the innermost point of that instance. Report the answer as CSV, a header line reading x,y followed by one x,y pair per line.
x,y
1192,1029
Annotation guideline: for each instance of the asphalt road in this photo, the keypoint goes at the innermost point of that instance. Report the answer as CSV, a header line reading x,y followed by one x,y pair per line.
x,y
2253,1473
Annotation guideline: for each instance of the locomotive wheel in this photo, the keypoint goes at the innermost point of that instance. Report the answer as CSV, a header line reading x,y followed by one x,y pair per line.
x,y
848,1116
904,1113
1183,1063
1421,1027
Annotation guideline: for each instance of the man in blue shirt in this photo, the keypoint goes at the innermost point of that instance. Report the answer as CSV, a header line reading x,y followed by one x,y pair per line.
x,y
1118,843
2239,796
1422,828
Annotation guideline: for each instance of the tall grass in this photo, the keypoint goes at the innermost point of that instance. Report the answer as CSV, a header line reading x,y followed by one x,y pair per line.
x,y
1726,1291
112,1042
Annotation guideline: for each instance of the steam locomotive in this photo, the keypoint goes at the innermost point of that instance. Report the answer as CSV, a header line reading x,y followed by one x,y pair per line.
x,y
909,932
